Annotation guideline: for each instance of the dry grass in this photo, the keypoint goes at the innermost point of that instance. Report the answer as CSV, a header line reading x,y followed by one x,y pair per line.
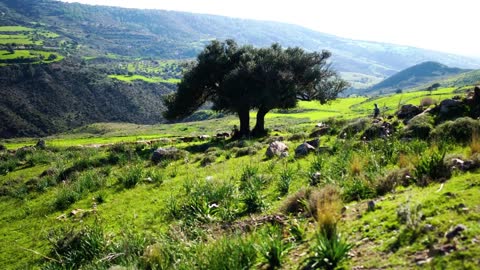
x,y
356,165
328,207
474,144
427,102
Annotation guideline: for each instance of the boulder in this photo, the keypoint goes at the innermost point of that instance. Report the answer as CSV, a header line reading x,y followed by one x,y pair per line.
x,y
451,109
408,111
276,148
303,150
204,137
161,154
319,131
315,142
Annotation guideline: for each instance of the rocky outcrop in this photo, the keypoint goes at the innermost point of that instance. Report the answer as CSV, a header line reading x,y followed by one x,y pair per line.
x,y
277,148
303,150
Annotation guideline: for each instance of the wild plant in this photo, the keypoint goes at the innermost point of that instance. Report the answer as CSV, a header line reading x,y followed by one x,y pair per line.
x,y
251,185
131,176
329,248
430,168
272,247
285,178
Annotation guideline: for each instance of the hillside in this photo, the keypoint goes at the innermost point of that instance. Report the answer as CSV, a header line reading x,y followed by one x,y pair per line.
x,y
394,202
166,34
38,100
415,76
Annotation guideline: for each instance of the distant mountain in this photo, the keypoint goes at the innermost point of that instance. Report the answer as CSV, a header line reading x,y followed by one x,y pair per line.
x,y
415,76
100,30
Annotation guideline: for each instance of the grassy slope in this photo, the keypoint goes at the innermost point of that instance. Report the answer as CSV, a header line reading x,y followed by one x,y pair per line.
x,y
27,219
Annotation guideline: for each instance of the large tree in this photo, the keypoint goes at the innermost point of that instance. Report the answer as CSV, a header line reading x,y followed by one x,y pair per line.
x,y
239,79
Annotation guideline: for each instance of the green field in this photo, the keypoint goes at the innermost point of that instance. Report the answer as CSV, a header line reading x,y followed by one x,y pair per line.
x,y
126,78
15,29
29,56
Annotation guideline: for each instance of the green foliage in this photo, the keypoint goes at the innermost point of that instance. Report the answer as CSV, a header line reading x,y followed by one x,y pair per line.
x,y
284,181
459,130
73,249
430,168
272,248
251,184
420,127
237,79
132,176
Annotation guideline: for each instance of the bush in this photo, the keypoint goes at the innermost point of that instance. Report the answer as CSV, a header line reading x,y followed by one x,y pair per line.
x,y
357,189
329,248
74,249
430,168
65,197
8,164
419,127
272,247
306,200
132,176
251,185
354,128
285,178
459,130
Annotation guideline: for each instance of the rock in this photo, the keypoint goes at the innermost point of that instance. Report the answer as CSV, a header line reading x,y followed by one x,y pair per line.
x,y
315,178
164,154
370,206
315,142
204,137
41,144
428,228
303,150
408,111
284,154
451,109
455,232
319,132
276,148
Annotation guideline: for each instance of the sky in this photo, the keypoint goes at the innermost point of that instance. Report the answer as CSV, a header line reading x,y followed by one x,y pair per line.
x,y
442,25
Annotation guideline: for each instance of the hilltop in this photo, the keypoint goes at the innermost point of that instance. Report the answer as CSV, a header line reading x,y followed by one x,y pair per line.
x,y
97,30
414,76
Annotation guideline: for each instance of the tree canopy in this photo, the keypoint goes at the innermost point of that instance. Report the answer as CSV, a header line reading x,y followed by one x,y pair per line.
x,y
238,79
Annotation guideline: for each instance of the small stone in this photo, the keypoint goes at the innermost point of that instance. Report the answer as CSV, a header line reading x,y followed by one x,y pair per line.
x,y
455,231
428,228
370,206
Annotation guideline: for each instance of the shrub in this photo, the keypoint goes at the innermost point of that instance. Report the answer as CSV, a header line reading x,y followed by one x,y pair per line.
x,y
155,176
430,168
251,185
459,130
298,136
419,127
272,247
73,249
226,253
474,144
285,178
132,176
8,165
357,189
427,101
65,197
306,200
208,159
354,127
329,248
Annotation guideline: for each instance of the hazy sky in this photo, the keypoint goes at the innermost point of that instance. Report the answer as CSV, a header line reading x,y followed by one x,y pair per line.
x,y
444,25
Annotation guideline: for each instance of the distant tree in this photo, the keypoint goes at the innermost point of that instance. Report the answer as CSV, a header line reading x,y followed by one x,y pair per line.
x,y
432,87
239,79
398,91
10,49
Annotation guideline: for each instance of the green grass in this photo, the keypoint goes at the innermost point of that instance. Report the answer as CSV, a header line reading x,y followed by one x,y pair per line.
x,y
15,29
29,55
132,78
183,202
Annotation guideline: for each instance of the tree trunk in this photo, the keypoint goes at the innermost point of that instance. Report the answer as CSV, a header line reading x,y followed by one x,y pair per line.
x,y
244,116
259,129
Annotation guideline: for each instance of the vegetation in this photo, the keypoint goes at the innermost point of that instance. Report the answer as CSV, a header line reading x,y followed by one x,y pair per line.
x,y
239,79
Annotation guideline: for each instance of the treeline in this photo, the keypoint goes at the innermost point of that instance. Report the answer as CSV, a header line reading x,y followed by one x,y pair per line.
x,y
39,100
